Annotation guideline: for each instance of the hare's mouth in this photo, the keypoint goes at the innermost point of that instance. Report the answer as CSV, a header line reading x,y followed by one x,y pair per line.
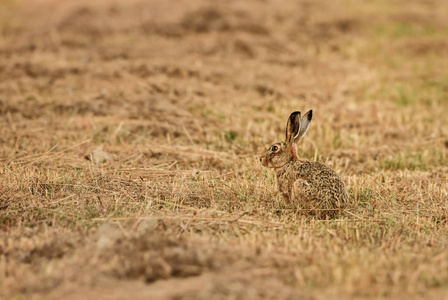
x,y
264,161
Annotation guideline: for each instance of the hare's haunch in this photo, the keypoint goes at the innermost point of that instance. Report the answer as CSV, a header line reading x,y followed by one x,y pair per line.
x,y
313,186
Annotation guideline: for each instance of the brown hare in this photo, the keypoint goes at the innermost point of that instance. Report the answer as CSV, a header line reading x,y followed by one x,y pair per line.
x,y
312,185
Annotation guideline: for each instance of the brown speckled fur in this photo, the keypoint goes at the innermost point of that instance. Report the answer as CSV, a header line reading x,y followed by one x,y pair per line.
x,y
314,187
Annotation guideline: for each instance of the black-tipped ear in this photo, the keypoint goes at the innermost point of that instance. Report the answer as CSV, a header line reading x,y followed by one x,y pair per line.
x,y
292,127
304,125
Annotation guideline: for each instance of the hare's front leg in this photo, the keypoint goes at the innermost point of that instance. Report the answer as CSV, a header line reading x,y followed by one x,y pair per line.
x,y
284,187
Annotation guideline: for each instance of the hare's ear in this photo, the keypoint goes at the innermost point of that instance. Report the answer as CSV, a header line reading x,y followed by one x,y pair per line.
x,y
304,125
292,127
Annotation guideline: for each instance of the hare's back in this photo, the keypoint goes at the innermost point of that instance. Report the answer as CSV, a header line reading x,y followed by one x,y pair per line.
x,y
324,179
314,170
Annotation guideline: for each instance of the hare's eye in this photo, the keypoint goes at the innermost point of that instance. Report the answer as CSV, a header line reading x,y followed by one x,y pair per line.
x,y
274,148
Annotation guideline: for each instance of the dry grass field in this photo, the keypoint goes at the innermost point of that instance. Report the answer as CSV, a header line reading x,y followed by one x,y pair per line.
x,y
130,133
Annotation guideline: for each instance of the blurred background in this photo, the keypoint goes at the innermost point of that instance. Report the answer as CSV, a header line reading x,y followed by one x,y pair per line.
x,y
223,75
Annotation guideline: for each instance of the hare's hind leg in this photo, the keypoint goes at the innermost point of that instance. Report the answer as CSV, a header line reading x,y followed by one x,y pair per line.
x,y
285,197
301,193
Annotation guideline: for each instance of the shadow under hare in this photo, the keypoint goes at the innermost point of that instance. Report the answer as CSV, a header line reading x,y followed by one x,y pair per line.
x,y
313,186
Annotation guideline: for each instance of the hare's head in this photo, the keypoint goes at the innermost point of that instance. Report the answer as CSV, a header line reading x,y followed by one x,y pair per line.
x,y
283,152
